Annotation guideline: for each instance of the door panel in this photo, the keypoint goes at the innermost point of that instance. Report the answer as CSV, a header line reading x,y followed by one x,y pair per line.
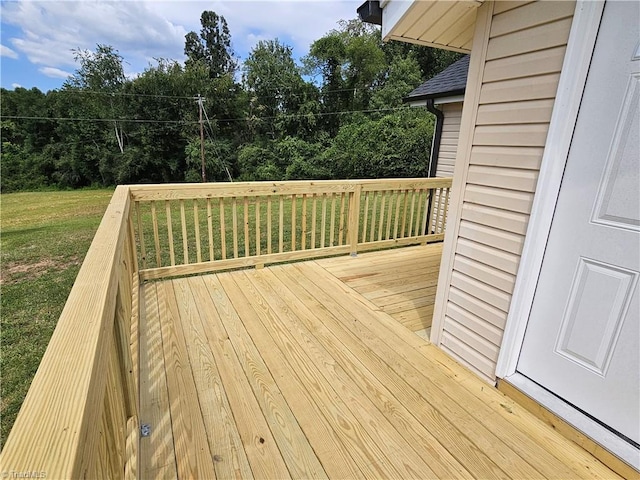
x,y
583,337
599,291
619,196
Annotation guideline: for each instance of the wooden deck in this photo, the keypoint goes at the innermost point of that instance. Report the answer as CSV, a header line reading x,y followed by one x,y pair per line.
x,y
302,371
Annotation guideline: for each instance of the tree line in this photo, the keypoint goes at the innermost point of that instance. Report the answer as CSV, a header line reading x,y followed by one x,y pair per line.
x,y
336,114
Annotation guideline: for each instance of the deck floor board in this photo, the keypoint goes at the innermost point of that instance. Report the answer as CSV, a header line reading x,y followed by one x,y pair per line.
x,y
394,281
298,371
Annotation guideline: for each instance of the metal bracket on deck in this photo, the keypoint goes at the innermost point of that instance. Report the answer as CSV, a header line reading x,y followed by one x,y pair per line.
x,y
145,430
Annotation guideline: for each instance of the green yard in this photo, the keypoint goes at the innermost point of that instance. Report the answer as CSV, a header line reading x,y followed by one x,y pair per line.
x,y
44,238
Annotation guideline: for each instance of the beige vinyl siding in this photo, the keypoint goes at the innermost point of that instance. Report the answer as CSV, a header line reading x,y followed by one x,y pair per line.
x,y
447,154
524,54
450,135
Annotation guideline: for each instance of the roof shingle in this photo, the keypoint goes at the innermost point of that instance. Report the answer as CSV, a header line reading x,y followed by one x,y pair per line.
x,y
451,81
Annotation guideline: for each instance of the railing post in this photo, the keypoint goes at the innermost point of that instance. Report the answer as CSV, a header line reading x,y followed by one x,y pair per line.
x,y
354,219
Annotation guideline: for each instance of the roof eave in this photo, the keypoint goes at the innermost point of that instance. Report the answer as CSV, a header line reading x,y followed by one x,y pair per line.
x,y
418,98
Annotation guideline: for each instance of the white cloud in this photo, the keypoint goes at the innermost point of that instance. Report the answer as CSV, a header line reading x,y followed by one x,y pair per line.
x,y
54,72
16,85
51,30
146,29
297,23
7,52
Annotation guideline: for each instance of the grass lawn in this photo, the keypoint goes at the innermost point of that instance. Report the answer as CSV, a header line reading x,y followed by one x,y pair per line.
x,y
44,237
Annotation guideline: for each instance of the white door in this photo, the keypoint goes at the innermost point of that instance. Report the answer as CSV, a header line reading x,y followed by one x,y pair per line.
x,y
582,341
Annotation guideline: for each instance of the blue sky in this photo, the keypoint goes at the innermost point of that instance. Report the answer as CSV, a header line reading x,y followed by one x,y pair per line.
x,y
37,37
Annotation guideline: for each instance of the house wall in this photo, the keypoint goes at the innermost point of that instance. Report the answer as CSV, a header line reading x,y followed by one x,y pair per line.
x,y
450,135
517,55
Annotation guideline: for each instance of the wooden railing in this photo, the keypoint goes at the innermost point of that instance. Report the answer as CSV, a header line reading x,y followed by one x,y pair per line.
x,y
79,418
188,229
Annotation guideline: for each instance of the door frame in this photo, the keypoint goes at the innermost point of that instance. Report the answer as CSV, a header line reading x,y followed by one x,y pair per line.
x,y
573,77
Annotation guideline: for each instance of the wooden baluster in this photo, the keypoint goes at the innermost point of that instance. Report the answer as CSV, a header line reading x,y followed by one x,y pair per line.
x,y
143,252
381,219
247,240
430,207
354,219
373,216
323,225
172,254
366,217
210,230
293,222
196,224
156,236
185,239
425,219
234,212
404,214
258,226
413,205
431,199
269,224
396,218
303,240
390,209
313,221
223,231
281,225
342,218
437,207
416,227
333,220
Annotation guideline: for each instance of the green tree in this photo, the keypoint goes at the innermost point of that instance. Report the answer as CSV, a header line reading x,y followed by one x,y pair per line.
x,y
326,58
212,46
396,145
94,142
402,76
211,49
351,62
430,60
218,160
155,150
303,159
258,162
280,100
166,92
101,70
365,60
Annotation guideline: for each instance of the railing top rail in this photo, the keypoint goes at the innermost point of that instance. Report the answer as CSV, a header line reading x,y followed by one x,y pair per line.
x,y
182,191
52,433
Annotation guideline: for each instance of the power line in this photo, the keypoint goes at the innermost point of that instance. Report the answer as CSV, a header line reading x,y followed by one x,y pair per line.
x,y
318,114
124,94
195,122
79,119
184,97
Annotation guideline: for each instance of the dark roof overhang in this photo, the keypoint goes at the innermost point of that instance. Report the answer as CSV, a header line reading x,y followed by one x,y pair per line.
x,y
370,12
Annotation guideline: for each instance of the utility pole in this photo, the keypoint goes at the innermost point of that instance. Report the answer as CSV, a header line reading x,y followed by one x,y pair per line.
x,y
204,173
